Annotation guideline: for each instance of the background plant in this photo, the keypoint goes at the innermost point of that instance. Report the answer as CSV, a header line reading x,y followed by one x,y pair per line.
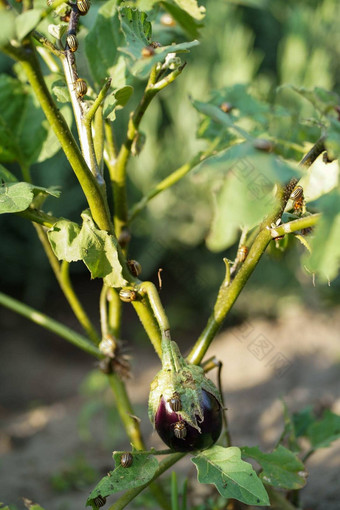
x,y
227,138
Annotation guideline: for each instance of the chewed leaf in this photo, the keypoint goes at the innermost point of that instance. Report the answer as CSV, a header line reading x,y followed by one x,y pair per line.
x,y
140,472
233,477
137,31
97,249
280,468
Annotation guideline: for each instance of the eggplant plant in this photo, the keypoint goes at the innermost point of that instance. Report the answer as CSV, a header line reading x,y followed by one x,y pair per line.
x,y
274,177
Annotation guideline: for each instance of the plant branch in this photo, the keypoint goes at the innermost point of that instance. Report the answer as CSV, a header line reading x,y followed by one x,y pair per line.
x,y
147,318
229,291
61,272
295,225
129,495
118,170
52,325
30,64
40,217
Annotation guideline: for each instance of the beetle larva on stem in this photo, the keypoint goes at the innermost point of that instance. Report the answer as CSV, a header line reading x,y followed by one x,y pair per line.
x,y
127,295
242,253
126,460
81,87
72,42
83,6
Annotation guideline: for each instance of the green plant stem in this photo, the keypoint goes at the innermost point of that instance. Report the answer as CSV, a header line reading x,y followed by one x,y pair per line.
x,y
229,292
61,272
149,323
148,289
118,170
129,495
126,411
115,312
46,220
174,491
278,500
98,138
89,115
52,325
293,226
314,152
30,64
132,429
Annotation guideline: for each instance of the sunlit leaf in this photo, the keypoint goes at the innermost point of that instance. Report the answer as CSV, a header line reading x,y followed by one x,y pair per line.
x,y
95,247
27,21
187,22
325,257
233,477
192,8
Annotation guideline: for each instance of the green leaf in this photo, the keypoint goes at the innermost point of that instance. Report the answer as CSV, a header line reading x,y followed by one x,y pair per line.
x,y
137,31
64,240
233,477
191,7
60,91
246,194
302,420
7,32
27,21
97,249
323,432
184,19
139,473
323,100
51,144
325,247
17,196
281,467
320,179
117,100
101,46
6,175
143,66
123,95
22,132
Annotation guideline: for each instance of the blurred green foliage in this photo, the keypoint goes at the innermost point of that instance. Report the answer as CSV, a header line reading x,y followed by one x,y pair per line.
x,y
261,43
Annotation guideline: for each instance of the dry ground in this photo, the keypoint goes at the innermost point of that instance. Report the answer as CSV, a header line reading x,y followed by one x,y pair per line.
x,y
296,357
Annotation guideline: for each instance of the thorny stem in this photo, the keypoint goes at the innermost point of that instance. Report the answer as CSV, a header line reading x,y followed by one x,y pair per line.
x,y
129,495
52,325
61,272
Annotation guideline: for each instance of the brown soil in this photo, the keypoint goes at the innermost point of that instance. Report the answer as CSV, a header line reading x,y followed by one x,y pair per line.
x,y
296,357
